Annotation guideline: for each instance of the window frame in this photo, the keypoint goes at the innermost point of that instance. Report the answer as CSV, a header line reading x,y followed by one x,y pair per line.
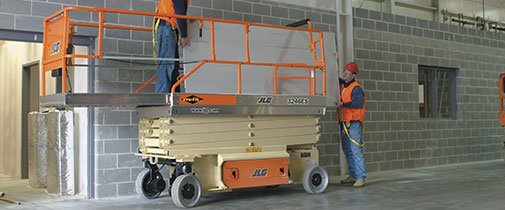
x,y
431,90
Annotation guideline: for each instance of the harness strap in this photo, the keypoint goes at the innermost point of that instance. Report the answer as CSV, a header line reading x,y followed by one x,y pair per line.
x,y
346,126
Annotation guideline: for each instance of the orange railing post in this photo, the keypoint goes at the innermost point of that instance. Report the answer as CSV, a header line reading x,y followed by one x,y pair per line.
x,y
101,19
239,79
309,86
275,80
212,40
323,64
64,48
246,40
315,81
501,88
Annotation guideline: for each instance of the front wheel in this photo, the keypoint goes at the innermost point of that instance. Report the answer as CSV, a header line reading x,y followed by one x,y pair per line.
x,y
149,185
315,179
186,191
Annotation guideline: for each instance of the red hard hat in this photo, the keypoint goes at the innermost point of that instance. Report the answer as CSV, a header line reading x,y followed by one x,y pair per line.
x,y
352,66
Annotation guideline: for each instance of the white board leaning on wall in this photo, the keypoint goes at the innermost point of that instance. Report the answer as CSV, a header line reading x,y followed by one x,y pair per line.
x,y
266,45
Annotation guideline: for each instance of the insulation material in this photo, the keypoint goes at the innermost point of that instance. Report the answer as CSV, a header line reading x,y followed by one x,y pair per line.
x,y
60,156
37,150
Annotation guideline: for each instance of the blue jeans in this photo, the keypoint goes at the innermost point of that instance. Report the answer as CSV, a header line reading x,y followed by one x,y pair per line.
x,y
167,71
354,153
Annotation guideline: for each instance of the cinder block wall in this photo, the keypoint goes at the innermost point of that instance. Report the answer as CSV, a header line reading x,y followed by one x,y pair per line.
x,y
389,49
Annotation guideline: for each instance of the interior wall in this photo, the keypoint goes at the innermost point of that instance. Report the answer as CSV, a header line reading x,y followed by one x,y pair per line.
x,y
80,85
12,56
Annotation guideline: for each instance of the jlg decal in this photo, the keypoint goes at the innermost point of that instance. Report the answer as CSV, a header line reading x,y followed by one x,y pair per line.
x,y
55,49
260,172
265,100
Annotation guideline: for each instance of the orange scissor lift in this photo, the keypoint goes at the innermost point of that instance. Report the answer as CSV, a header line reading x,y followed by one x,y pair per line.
x,y
210,142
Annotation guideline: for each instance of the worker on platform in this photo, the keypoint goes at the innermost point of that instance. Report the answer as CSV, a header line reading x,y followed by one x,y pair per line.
x,y
351,115
169,32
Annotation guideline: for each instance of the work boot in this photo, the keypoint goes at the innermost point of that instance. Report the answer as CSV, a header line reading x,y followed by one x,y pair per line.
x,y
359,183
348,180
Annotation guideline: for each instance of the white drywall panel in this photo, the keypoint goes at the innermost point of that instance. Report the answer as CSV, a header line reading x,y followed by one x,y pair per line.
x,y
12,57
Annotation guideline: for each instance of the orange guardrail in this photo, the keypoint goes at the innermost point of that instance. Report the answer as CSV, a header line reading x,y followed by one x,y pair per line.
x,y
502,97
58,32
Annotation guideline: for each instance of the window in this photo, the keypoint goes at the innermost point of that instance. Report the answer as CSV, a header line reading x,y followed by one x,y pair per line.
x,y
437,92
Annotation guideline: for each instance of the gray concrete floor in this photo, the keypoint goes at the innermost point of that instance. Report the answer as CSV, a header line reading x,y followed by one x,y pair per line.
x,y
478,185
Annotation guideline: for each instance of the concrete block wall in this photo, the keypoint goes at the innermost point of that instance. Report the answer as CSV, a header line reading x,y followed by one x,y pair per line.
x,y
389,49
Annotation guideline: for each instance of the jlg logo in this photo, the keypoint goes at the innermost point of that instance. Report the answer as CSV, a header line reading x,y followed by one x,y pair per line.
x,y
265,100
55,49
260,172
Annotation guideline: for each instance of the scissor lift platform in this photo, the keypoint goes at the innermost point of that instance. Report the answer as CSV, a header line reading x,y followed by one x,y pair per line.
x,y
157,105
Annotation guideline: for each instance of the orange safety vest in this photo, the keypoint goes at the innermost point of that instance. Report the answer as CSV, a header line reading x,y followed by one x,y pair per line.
x,y
347,114
167,7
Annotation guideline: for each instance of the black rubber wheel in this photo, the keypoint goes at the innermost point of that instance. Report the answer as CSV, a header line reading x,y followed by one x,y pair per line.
x,y
149,187
315,179
186,191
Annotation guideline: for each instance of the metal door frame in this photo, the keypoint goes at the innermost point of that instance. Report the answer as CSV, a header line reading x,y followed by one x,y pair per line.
x,y
25,97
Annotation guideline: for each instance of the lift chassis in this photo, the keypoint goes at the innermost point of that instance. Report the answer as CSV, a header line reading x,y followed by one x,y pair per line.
x,y
217,143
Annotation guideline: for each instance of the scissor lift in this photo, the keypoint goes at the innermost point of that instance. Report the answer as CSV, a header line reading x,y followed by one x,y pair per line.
x,y
210,142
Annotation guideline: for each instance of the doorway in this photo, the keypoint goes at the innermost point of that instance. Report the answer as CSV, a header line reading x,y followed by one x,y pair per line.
x,y
20,53
30,103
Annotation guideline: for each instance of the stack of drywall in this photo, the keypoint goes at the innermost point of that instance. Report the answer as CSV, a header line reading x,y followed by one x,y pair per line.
x,y
60,154
37,149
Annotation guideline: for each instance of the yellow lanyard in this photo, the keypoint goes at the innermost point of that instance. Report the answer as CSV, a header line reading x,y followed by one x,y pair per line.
x,y
156,23
346,131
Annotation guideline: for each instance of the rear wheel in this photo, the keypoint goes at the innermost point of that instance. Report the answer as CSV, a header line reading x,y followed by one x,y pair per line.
x,y
186,191
315,179
149,185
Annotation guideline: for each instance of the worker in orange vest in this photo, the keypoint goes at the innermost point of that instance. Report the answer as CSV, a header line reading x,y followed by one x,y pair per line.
x,y
351,115
167,31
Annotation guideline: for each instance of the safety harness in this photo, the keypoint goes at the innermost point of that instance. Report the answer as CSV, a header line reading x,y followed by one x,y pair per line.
x,y
345,127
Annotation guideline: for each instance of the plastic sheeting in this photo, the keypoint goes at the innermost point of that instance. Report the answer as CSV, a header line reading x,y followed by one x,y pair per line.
x,y
60,153
37,150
